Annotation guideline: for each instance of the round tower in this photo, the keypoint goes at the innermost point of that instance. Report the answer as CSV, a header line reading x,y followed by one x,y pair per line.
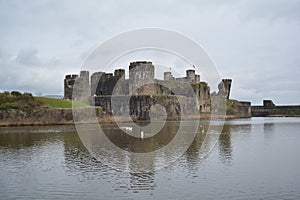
x,y
69,82
190,75
141,77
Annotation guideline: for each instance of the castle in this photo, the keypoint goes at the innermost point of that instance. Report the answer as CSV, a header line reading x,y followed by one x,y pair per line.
x,y
111,91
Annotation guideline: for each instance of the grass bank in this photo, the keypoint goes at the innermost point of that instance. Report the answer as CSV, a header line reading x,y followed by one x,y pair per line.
x,y
60,103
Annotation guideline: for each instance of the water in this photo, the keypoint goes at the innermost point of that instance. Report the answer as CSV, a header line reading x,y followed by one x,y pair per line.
x,y
254,158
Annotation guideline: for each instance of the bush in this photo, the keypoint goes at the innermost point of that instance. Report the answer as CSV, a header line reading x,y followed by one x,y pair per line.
x,y
16,93
2,98
16,100
9,106
27,96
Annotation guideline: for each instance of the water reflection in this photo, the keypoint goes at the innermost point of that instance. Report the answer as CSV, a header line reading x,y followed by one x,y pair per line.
x,y
136,144
21,140
80,163
52,163
77,159
142,181
241,129
269,128
225,146
20,137
193,152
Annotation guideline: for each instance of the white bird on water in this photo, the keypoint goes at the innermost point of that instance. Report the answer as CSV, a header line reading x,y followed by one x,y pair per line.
x,y
142,134
126,128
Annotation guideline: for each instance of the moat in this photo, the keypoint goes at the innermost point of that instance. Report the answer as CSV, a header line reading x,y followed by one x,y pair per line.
x,y
255,158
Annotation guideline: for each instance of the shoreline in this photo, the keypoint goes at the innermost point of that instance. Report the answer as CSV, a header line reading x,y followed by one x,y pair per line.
x,y
55,117
109,120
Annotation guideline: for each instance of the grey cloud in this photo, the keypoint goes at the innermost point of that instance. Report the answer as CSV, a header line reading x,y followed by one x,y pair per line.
x,y
255,42
28,74
272,10
28,57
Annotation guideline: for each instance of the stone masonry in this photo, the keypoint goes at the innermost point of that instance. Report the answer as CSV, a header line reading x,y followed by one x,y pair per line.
x,y
141,90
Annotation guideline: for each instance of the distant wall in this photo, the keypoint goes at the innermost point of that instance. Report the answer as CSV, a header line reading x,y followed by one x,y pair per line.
x,y
270,109
261,111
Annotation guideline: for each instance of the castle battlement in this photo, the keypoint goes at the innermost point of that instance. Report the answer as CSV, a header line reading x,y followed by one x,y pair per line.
x,y
101,85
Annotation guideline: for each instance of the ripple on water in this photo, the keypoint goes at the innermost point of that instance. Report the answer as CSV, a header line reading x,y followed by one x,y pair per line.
x,y
250,161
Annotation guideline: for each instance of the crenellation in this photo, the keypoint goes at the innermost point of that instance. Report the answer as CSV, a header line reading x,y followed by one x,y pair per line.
x,y
103,86
190,75
69,82
141,75
168,76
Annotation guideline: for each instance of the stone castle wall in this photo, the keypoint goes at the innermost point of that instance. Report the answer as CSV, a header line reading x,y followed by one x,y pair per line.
x,y
142,83
270,109
139,106
241,109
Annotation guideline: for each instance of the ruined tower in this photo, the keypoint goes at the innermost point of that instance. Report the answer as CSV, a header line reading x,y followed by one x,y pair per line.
x,y
224,87
168,76
190,75
81,91
197,78
141,78
69,82
96,79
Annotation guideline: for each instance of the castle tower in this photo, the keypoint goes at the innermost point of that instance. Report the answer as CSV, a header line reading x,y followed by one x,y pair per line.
x,y
224,87
141,73
197,78
120,85
85,77
96,83
82,90
69,82
119,74
168,76
190,75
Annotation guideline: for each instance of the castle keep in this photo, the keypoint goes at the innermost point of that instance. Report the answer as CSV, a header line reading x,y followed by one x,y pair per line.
x,y
136,95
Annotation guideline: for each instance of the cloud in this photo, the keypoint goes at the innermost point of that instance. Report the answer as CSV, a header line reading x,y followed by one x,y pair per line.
x,y
27,57
254,42
271,10
28,73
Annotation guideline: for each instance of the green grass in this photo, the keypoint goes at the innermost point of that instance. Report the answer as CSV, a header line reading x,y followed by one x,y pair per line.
x,y
230,110
25,101
60,103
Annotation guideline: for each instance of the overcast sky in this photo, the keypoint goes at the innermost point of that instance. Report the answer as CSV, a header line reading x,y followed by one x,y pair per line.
x,y
254,42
